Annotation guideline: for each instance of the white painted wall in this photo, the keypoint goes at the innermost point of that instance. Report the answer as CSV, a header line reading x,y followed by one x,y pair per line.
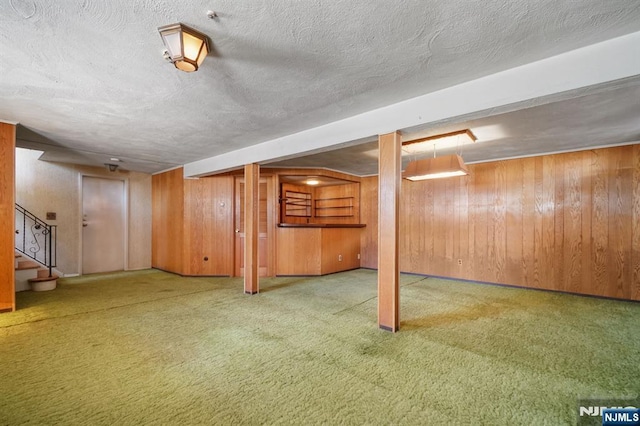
x,y
43,187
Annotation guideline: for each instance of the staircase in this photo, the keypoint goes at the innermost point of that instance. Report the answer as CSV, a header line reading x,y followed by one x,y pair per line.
x,y
30,275
35,255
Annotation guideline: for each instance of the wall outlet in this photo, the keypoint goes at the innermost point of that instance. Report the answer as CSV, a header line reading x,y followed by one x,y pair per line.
x,y
339,258
459,261
358,256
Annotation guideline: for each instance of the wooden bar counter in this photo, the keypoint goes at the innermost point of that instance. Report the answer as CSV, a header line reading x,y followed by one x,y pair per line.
x,y
317,248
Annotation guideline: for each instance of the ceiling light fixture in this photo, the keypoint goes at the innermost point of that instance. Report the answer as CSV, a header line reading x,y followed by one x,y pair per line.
x,y
111,167
437,167
186,47
444,141
313,182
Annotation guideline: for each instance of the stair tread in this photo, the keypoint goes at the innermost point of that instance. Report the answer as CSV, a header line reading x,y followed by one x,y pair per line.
x,y
43,279
27,264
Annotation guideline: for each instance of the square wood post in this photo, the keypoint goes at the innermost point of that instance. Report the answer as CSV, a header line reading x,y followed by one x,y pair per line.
x,y
251,224
7,216
389,182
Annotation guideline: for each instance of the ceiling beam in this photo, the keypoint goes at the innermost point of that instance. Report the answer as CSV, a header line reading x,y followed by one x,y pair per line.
x,y
560,77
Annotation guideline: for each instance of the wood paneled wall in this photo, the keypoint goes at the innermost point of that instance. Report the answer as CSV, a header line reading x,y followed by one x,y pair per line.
x,y
299,251
7,216
208,226
167,198
369,216
317,251
340,249
349,190
192,219
568,222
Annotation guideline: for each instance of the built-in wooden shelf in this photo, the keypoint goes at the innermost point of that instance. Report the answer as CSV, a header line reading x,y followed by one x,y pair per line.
x,y
297,204
334,207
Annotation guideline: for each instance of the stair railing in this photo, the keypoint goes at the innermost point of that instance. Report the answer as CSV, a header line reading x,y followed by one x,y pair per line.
x,y
35,238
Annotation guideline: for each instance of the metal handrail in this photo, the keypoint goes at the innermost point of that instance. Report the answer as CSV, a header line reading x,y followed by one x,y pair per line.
x,y
41,245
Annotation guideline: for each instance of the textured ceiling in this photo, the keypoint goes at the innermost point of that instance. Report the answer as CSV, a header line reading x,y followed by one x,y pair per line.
x,y
86,79
607,116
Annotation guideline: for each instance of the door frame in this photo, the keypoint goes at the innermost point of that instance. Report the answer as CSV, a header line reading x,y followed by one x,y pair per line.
x,y
125,213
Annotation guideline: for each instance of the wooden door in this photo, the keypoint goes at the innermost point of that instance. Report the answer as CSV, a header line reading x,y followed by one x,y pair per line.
x,y
264,253
103,225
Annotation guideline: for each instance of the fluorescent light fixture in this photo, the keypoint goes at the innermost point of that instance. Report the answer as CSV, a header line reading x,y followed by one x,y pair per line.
x,y
435,168
185,46
444,141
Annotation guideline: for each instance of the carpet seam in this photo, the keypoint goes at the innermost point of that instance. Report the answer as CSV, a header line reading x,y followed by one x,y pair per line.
x,y
375,297
105,309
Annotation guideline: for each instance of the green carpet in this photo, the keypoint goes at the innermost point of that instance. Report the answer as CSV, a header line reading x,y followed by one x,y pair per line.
x,y
149,347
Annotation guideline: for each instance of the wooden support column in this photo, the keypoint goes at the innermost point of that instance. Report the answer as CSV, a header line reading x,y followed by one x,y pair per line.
x,y
389,178
251,225
7,216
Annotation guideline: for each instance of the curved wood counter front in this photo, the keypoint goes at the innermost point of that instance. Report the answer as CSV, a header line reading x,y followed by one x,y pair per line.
x,y
317,248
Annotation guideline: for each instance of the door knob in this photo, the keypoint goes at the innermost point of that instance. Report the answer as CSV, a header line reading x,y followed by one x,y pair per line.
x,y
84,224
237,230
